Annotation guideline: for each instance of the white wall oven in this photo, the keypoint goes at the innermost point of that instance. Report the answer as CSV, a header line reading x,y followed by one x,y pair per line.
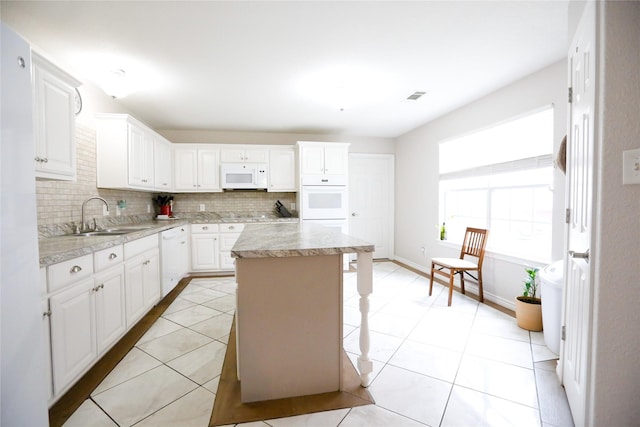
x,y
324,202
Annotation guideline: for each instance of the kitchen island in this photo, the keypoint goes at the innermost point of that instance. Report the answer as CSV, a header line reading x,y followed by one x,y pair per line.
x,y
289,309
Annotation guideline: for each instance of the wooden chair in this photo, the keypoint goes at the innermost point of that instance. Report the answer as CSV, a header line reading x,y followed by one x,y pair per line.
x,y
475,240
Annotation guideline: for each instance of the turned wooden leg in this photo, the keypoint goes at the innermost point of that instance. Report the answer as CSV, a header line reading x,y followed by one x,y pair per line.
x,y
451,277
480,291
462,282
365,287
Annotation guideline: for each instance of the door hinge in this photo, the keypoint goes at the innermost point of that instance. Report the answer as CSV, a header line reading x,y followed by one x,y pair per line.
x,y
567,216
564,330
570,95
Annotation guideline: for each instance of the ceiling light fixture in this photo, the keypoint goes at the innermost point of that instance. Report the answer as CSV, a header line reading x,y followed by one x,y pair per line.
x,y
114,83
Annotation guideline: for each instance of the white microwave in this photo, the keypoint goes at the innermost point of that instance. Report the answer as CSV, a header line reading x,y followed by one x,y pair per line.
x,y
243,176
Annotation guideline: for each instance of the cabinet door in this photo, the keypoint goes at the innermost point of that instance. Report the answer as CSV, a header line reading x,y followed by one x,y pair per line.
x,y
204,252
208,170
311,160
151,272
335,160
282,170
140,159
134,290
184,250
162,165
227,240
110,309
256,155
73,340
54,123
232,155
186,169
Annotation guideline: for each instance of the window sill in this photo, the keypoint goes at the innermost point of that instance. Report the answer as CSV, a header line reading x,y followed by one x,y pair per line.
x,y
534,262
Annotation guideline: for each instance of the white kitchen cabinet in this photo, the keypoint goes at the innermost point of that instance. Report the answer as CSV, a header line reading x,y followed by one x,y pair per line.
x,y
141,277
73,339
125,154
282,169
109,307
320,158
229,233
163,165
204,247
54,98
243,154
140,159
197,169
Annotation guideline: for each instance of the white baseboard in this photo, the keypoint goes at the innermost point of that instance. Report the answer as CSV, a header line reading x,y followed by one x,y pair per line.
x,y
473,288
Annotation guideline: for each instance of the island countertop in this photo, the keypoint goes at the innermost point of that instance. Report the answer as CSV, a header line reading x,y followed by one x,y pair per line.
x,y
299,239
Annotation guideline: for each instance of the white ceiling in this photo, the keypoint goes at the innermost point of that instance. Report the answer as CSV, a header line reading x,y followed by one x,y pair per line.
x,y
222,65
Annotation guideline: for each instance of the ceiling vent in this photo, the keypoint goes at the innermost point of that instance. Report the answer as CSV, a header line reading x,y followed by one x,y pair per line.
x,y
415,96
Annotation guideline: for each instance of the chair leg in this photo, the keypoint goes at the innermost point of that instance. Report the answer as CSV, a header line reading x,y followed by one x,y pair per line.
x,y
480,292
451,277
431,281
462,282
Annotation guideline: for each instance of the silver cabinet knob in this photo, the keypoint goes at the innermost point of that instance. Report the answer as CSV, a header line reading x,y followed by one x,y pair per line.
x,y
75,269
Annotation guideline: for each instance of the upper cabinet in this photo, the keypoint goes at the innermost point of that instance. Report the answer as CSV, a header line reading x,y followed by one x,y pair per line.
x,y
319,159
243,154
197,168
282,168
130,155
54,98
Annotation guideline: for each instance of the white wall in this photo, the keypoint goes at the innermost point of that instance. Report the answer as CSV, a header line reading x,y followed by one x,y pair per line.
x,y
417,176
616,282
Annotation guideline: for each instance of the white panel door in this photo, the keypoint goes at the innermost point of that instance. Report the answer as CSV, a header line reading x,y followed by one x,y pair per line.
x,y
371,200
151,281
134,290
73,341
110,310
186,169
580,154
208,170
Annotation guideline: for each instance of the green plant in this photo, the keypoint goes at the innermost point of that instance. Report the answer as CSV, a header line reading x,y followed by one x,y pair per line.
x,y
531,284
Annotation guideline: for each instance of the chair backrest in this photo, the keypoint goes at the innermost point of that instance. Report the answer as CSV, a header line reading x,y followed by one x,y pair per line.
x,y
474,242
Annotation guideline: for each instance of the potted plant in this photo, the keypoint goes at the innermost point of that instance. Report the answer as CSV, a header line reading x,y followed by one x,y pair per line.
x,y
164,201
528,306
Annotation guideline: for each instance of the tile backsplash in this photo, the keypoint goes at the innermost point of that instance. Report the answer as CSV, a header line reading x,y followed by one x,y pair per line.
x,y
61,201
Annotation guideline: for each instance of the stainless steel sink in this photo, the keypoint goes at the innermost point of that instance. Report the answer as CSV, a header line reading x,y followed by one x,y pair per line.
x,y
107,232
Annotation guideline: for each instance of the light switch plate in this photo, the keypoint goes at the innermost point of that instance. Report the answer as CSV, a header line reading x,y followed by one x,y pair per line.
x,y
631,167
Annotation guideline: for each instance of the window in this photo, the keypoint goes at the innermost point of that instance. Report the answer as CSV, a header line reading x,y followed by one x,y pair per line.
x,y
500,178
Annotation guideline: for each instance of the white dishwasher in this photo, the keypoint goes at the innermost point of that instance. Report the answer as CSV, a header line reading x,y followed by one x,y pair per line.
x,y
174,254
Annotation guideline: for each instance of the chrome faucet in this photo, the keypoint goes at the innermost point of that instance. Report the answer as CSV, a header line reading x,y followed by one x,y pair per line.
x,y
83,226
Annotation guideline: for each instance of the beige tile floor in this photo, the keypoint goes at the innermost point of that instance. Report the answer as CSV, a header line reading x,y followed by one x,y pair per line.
x,y
464,365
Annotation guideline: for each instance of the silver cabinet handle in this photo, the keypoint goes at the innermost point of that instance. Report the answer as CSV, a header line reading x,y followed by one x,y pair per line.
x,y
354,214
75,269
580,255
231,227
45,160
205,228
113,255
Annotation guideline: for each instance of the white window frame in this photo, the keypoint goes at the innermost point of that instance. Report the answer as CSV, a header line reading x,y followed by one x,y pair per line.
x,y
533,174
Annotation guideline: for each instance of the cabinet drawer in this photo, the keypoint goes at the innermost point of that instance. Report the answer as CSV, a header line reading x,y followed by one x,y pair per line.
x,y
139,246
64,273
108,257
231,228
204,228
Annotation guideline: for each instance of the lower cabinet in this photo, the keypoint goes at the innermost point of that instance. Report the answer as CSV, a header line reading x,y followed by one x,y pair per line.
x,y
204,247
142,285
109,307
90,302
73,332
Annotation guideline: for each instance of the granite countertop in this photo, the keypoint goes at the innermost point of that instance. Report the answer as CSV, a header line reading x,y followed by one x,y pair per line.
x,y
58,248
301,239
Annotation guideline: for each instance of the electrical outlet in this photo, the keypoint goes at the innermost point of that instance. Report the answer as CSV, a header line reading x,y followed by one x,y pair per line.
x,y
148,208
293,206
201,207
631,166
118,211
